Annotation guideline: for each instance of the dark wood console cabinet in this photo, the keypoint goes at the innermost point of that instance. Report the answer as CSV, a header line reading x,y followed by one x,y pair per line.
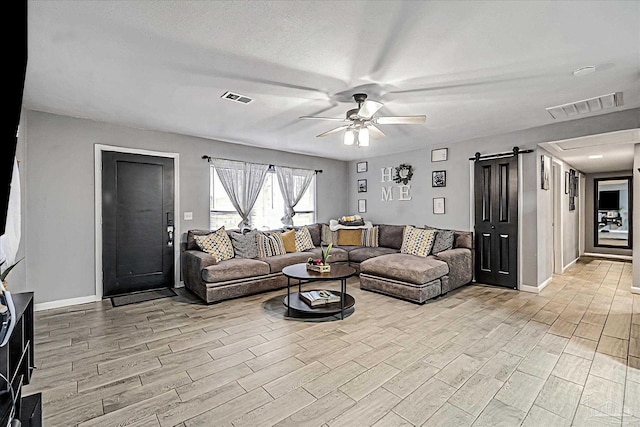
x,y
16,357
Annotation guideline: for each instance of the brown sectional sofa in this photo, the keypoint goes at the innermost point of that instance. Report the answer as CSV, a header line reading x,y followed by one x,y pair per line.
x,y
382,269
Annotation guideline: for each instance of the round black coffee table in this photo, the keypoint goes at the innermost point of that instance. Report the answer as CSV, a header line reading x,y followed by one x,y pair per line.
x,y
299,272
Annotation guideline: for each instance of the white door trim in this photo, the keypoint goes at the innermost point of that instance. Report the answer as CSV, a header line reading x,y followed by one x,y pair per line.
x,y
98,149
558,219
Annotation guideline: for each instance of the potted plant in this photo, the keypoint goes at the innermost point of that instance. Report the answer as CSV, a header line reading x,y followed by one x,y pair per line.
x,y
5,273
321,265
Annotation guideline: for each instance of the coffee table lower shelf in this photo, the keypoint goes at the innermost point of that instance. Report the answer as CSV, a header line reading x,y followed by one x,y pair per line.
x,y
324,310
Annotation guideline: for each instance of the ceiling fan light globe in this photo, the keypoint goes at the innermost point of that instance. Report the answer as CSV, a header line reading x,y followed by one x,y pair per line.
x,y
349,137
363,137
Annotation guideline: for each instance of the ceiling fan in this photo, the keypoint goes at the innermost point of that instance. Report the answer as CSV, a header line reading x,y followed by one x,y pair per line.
x,y
361,123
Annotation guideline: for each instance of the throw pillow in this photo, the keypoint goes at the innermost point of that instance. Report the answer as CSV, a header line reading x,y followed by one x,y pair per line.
x,y
443,241
217,244
289,240
417,241
349,237
270,244
245,245
326,235
370,237
304,240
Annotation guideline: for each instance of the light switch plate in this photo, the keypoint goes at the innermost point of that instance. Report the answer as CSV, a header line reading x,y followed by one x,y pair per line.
x,y
188,216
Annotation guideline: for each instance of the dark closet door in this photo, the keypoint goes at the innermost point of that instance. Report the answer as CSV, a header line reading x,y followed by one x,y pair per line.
x,y
496,221
137,223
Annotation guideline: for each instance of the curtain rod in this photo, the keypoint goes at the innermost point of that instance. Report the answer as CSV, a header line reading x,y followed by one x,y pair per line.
x,y
209,158
514,152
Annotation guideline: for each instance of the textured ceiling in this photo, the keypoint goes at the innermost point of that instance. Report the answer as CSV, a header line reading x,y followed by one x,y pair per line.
x,y
474,68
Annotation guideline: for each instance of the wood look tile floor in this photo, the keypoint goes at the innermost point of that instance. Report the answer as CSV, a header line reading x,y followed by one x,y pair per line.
x,y
480,356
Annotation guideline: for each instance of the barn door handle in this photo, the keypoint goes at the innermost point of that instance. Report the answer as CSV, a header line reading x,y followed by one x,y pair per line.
x,y
493,227
170,231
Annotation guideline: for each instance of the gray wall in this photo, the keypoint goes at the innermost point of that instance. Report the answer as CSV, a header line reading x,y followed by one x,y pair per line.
x,y
60,192
419,210
589,214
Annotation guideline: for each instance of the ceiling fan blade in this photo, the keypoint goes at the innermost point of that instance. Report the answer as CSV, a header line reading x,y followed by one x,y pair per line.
x,y
400,120
329,132
335,119
375,132
368,109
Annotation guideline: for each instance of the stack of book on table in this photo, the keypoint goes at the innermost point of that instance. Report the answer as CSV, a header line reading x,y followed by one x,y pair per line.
x,y
318,298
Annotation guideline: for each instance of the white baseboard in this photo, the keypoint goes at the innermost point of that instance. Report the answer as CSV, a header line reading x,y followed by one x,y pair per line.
x,y
65,302
635,290
611,256
535,289
569,265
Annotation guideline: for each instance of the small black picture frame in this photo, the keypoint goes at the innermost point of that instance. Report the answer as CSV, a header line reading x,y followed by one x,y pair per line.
x,y
362,167
439,179
362,186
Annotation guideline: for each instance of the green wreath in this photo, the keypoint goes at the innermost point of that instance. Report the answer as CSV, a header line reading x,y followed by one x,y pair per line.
x,y
404,173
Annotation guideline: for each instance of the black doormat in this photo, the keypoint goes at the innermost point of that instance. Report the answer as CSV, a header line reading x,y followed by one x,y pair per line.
x,y
142,296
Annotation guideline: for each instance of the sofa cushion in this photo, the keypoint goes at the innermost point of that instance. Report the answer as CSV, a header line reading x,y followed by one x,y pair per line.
x,y
390,236
217,243
278,262
304,241
417,241
245,245
270,244
463,239
407,268
362,254
349,237
315,230
235,268
289,240
444,240
191,242
337,254
369,237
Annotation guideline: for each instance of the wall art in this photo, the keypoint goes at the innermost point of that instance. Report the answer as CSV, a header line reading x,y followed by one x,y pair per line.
x,y
362,167
362,206
362,186
438,205
439,155
439,179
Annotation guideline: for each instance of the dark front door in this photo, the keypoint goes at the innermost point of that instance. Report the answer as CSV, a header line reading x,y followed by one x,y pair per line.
x,y
496,221
137,222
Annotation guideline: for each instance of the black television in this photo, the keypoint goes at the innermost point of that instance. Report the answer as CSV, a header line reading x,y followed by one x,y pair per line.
x,y
16,57
609,200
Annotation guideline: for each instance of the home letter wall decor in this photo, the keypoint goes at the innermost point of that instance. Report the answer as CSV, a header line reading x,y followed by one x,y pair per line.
x,y
404,190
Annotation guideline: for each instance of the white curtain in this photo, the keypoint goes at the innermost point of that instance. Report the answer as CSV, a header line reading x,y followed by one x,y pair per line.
x,y
242,182
10,240
293,184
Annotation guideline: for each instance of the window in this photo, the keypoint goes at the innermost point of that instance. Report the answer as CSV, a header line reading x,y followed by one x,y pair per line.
x,y
266,212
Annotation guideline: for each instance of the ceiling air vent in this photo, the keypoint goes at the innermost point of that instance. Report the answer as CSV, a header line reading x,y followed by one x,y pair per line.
x,y
585,106
236,97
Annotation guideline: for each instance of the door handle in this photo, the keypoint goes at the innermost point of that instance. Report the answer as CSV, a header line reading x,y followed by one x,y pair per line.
x,y
170,232
493,227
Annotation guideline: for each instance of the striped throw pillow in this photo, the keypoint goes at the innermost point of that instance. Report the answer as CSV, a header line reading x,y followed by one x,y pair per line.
x,y
217,244
304,240
417,241
370,237
270,244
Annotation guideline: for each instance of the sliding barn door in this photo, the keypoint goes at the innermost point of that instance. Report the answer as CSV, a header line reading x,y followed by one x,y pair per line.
x,y
496,221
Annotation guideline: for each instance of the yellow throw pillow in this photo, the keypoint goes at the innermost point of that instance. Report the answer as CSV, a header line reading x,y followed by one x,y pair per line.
x,y
289,240
349,237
